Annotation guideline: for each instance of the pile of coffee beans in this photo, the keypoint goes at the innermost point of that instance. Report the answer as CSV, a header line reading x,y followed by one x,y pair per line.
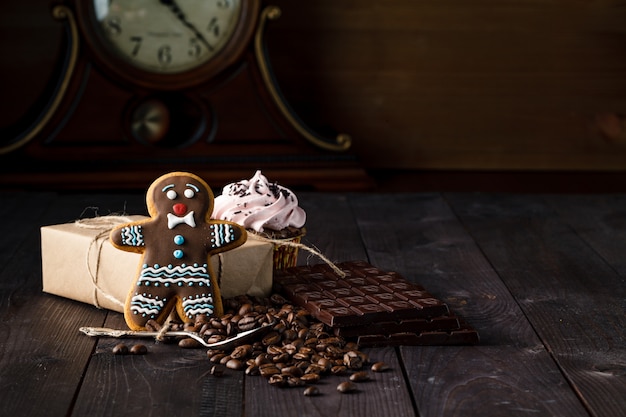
x,y
297,351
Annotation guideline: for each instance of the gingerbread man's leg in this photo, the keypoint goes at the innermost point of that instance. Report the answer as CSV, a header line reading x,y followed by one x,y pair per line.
x,y
158,287
151,298
200,301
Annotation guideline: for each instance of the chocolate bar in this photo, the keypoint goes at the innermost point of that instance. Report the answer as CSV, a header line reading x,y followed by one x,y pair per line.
x,y
377,307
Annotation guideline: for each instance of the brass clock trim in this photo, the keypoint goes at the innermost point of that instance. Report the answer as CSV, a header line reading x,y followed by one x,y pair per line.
x,y
60,13
124,71
341,142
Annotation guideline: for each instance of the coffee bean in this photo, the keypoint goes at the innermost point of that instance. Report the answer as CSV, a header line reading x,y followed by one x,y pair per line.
x,y
314,369
346,387
216,338
216,358
295,382
290,334
380,367
212,352
253,370
217,324
310,378
292,371
226,318
241,352
217,370
268,369
201,319
261,359
278,299
352,360
190,327
338,370
311,391
139,349
120,349
245,308
247,323
281,358
188,343
234,319
277,380
360,376
271,338
325,364
235,364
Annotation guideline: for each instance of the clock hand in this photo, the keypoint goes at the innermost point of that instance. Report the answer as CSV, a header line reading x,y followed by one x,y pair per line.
x,y
181,16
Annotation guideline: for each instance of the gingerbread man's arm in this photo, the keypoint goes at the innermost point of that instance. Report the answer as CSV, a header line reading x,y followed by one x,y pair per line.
x,y
225,236
128,237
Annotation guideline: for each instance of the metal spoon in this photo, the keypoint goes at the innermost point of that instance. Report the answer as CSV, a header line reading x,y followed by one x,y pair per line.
x,y
224,344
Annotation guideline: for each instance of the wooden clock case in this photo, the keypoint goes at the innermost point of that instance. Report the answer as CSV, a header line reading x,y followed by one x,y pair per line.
x,y
106,125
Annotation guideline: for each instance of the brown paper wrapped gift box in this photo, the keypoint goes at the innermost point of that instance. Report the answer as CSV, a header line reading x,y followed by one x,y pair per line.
x,y
78,262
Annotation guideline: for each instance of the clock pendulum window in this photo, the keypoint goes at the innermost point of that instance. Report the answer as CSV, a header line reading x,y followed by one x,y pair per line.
x,y
149,85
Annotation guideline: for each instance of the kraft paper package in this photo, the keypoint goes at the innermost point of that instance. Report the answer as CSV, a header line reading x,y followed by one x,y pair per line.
x,y
79,263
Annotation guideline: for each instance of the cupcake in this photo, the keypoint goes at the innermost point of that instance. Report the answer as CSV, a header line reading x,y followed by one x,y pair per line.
x,y
265,209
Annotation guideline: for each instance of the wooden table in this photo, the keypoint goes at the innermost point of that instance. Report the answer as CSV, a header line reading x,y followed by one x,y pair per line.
x,y
541,277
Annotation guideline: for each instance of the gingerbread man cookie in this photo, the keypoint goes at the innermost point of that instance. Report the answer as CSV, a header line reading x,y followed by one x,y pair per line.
x,y
176,244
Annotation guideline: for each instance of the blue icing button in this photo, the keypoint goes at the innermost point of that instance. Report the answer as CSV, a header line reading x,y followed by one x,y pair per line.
x,y
178,254
179,239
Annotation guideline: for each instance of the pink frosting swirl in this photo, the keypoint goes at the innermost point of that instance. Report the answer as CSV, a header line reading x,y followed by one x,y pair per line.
x,y
257,204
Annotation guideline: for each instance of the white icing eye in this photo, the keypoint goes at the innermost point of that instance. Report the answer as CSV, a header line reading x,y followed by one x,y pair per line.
x,y
189,193
171,194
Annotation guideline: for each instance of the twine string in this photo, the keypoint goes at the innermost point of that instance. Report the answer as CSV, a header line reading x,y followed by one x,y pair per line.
x,y
166,326
104,225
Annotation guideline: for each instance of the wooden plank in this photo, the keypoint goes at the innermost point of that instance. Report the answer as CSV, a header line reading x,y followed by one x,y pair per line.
x,y
168,380
332,229
598,219
41,358
384,395
42,355
572,297
20,212
510,372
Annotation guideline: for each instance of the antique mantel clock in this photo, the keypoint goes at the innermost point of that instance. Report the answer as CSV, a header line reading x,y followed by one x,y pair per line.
x,y
152,85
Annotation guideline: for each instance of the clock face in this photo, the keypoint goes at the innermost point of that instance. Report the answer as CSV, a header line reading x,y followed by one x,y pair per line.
x,y
166,36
